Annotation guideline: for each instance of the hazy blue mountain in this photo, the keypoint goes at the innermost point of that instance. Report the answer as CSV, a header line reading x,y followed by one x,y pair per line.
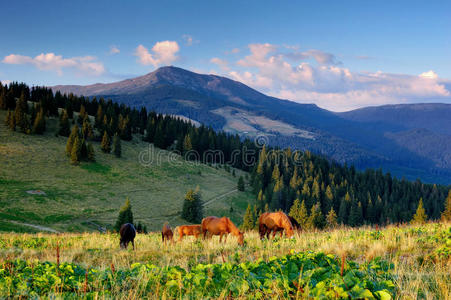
x,y
364,137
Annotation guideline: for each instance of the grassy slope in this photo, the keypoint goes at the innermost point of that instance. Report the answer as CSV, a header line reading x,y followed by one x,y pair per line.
x,y
95,191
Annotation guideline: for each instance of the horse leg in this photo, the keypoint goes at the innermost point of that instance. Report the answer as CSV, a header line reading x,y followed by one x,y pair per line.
x,y
225,238
220,238
274,234
281,233
133,244
262,231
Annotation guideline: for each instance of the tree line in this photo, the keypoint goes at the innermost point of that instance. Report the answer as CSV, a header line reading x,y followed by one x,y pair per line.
x,y
310,187
294,182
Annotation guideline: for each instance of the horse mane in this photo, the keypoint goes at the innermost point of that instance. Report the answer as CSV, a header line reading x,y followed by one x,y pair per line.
x,y
233,229
286,223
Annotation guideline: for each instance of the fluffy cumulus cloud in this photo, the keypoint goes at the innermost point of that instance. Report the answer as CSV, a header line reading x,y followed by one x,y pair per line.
x,y
51,62
314,76
163,53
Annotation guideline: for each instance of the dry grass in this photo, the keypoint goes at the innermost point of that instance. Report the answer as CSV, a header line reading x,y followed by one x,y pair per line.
x,y
419,271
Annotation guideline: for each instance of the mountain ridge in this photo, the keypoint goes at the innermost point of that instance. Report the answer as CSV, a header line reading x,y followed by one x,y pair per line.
x,y
351,137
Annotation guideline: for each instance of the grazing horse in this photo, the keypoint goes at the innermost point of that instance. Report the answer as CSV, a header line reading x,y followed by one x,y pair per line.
x,y
128,233
296,226
166,233
221,226
275,221
183,230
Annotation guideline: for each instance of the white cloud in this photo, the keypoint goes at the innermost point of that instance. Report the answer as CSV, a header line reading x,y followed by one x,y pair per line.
x,y
5,81
292,75
51,62
114,50
163,53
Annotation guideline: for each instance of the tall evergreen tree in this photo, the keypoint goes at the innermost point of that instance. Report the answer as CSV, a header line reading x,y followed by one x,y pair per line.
x,y
316,219
299,212
446,214
64,126
106,143
331,219
91,153
11,120
70,141
420,216
75,154
39,123
248,219
125,215
356,214
192,207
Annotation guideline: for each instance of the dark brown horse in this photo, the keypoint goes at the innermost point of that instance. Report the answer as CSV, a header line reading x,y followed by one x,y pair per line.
x,y
275,221
166,233
127,233
221,226
183,230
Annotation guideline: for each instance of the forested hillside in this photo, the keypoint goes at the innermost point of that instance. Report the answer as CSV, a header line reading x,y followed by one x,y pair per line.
x,y
279,177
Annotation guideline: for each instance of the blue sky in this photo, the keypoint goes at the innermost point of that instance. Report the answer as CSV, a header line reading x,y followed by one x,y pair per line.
x,y
338,54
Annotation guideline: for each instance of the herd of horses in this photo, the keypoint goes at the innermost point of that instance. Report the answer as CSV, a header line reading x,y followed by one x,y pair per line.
x,y
268,222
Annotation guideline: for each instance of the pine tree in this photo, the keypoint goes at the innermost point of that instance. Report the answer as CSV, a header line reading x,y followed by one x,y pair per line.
x,y
2,97
21,118
356,214
343,210
299,212
241,184
117,149
64,126
125,215
70,141
331,219
446,214
192,206
86,129
316,219
187,145
81,115
106,143
11,121
39,123
420,216
248,219
75,152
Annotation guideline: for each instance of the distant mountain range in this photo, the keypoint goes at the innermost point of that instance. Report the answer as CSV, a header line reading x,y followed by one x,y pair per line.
x,y
411,140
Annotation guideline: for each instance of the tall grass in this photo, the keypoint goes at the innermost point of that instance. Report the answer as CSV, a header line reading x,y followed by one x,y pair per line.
x,y
420,254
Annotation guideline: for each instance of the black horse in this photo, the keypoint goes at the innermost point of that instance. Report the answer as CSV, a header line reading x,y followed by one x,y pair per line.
x,y
128,233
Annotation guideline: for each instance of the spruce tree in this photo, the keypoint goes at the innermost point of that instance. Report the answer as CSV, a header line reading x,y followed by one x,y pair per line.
x,y
106,143
331,219
81,115
125,215
21,117
11,121
2,97
299,212
64,126
75,151
86,129
192,206
316,219
240,185
117,149
70,141
420,216
248,219
356,214
39,123
446,214
187,145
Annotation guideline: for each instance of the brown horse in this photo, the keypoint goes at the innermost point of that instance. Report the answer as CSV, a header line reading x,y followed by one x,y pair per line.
x,y
275,221
221,226
183,230
127,233
296,226
166,233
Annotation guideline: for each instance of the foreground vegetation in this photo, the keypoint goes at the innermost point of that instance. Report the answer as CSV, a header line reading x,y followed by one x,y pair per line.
x,y
410,262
